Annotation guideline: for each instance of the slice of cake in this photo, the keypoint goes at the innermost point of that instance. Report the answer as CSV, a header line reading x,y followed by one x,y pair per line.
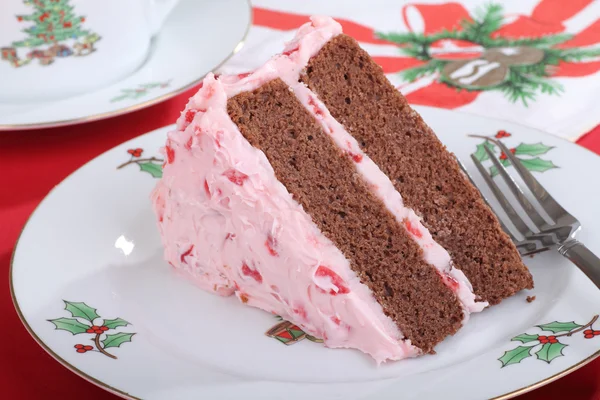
x,y
310,189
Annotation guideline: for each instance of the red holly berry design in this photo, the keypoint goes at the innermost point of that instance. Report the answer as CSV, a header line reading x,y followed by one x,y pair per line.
x,y
150,165
82,349
82,322
502,134
504,156
136,152
547,339
98,330
590,333
547,347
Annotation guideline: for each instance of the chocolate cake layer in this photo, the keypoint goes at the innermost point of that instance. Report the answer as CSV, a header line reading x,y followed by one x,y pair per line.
x,y
324,180
358,95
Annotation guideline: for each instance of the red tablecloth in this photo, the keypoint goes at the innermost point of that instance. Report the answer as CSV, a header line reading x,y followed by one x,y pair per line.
x,y
33,162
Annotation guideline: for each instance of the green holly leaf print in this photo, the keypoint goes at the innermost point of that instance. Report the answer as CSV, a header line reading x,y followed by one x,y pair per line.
x,y
525,338
115,323
117,339
550,351
494,171
537,164
534,149
556,327
119,98
480,153
70,325
515,356
153,169
81,310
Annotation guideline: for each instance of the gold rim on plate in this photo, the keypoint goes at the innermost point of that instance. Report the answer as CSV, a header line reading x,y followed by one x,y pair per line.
x,y
126,395
139,106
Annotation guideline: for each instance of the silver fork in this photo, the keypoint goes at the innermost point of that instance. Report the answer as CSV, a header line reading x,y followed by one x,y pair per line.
x,y
558,234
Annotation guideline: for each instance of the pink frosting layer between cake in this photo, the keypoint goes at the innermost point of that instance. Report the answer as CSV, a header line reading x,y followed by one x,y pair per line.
x,y
227,222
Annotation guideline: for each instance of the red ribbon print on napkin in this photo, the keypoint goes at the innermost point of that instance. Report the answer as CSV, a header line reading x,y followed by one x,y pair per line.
x,y
450,54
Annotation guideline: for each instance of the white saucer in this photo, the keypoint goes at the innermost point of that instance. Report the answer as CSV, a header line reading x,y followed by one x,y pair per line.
x,y
197,38
94,241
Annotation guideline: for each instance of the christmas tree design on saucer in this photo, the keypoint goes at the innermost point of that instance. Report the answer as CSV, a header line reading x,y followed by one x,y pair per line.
x,y
56,32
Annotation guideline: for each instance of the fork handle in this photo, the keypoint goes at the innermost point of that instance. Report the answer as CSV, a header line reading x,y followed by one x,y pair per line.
x,y
583,258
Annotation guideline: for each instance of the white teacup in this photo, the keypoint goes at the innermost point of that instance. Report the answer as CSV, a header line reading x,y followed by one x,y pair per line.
x,y
52,49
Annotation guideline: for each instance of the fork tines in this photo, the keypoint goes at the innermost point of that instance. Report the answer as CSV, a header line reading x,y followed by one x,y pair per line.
x,y
546,233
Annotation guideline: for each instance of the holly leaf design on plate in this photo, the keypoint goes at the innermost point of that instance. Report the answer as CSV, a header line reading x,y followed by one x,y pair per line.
x,y
480,153
534,149
153,169
525,338
70,325
115,323
556,327
81,310
532,164
119,98
494,171
117,339
515,356
550,351
537,164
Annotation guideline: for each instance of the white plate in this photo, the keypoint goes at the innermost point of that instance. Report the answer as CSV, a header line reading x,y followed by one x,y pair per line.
x,y
94,240
197,38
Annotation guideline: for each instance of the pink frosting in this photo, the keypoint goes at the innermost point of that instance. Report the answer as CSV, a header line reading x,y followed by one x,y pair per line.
x,y
230,225
382,186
